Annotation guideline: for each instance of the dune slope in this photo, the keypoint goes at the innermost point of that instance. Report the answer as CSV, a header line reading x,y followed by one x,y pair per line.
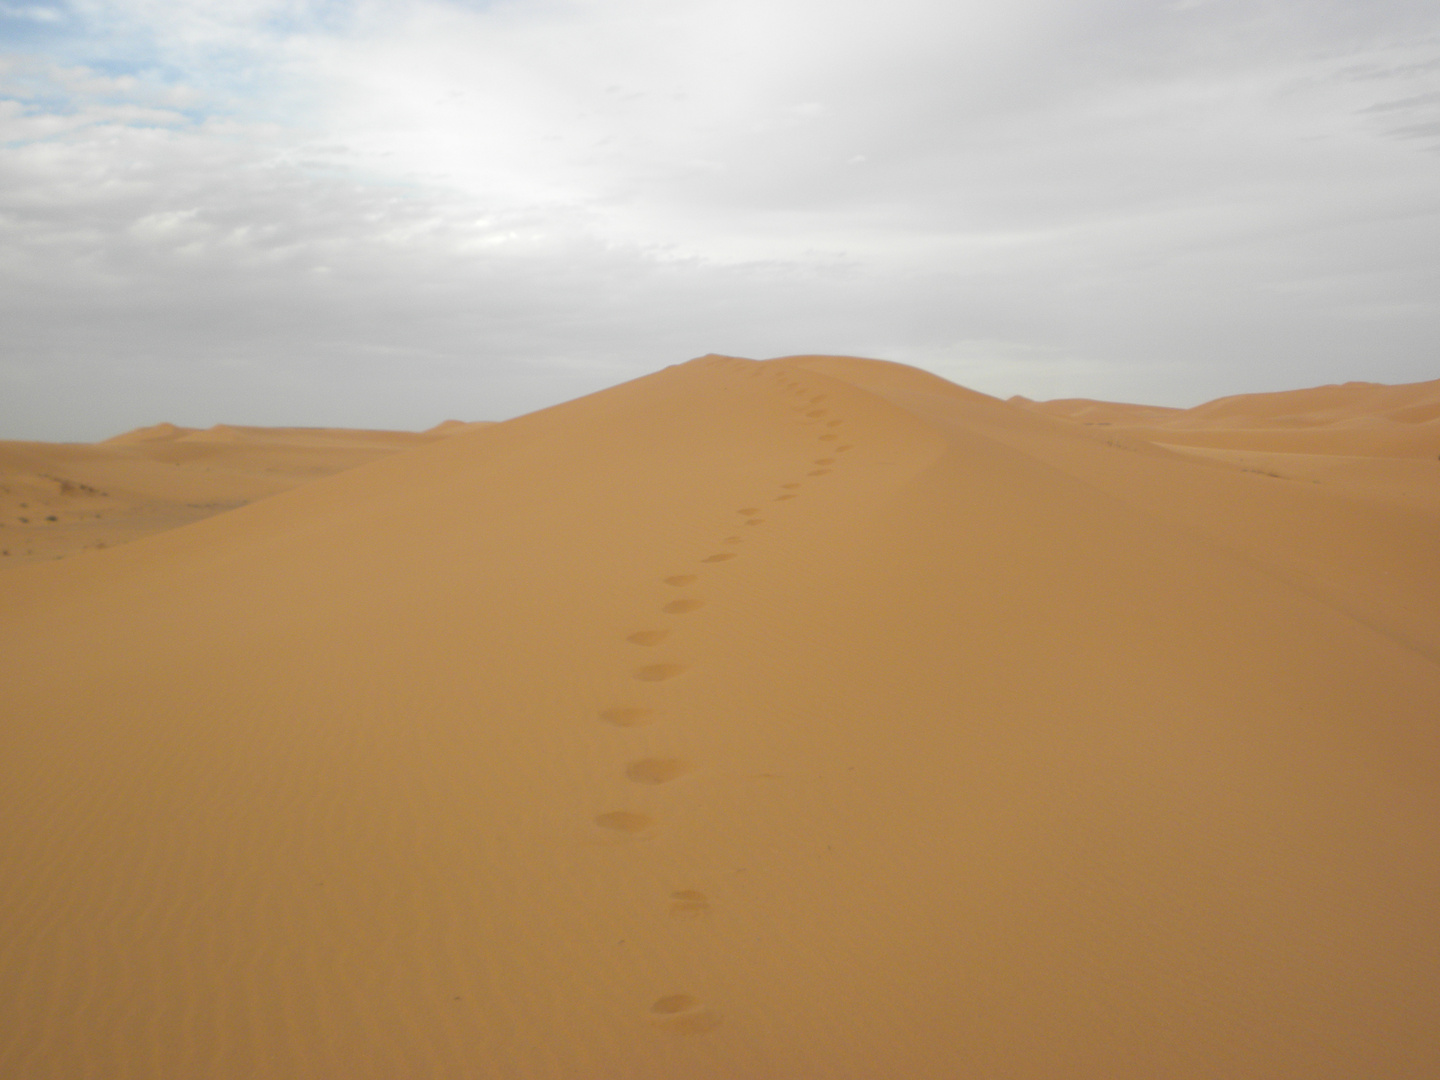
x,y
807,718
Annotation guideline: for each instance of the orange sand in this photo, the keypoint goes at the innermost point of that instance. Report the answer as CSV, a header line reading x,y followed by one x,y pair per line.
x,y
57,499
813,718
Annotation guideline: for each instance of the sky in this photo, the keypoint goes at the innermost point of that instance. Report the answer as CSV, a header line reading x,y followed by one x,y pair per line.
x,y
387,213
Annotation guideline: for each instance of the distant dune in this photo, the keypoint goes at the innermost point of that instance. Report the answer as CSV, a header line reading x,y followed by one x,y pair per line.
x,y
1097,412
1358,418
57,499
807,718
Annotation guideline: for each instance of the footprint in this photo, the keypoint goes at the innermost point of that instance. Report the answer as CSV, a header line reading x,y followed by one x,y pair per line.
x,y
658,672
789,486
819,472
828,438
847,446
689,904
824,461
749,510
724,556
623,821
682,1014
648,637
682,579
680,607
731,540
833,423
755,521
627,716
657,770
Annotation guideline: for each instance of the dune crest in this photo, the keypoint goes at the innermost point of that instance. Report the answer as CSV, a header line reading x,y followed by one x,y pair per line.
x,y
154,433
801,718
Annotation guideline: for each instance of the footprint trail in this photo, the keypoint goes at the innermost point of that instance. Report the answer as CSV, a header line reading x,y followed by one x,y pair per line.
x,y
678,1012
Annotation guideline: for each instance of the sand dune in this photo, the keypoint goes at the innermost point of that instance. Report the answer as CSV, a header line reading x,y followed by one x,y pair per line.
x,y
1358,419
1088,411
1413,403
805,718
58,499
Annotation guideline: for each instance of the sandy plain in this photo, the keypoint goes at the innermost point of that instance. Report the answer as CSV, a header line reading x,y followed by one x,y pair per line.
x,y
812,717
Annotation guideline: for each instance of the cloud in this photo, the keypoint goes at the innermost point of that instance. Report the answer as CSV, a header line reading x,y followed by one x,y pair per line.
x,y
31,12
362,212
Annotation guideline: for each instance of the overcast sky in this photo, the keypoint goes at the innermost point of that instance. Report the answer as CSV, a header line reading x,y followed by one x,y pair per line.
x,y
385,213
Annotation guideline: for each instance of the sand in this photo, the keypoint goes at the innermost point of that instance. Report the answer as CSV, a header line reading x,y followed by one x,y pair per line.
x,y
803,718
58,499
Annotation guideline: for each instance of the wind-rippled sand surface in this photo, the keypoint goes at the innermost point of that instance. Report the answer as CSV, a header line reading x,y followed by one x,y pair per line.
x,y
806,718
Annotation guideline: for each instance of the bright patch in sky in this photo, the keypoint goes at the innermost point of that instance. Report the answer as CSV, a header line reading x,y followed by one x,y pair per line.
x,y
376,212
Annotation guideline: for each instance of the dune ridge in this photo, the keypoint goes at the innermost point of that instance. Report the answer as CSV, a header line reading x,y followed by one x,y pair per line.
x,y
802,718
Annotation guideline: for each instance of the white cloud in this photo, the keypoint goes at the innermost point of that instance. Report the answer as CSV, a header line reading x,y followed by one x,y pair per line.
x,y
529,199
33,12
